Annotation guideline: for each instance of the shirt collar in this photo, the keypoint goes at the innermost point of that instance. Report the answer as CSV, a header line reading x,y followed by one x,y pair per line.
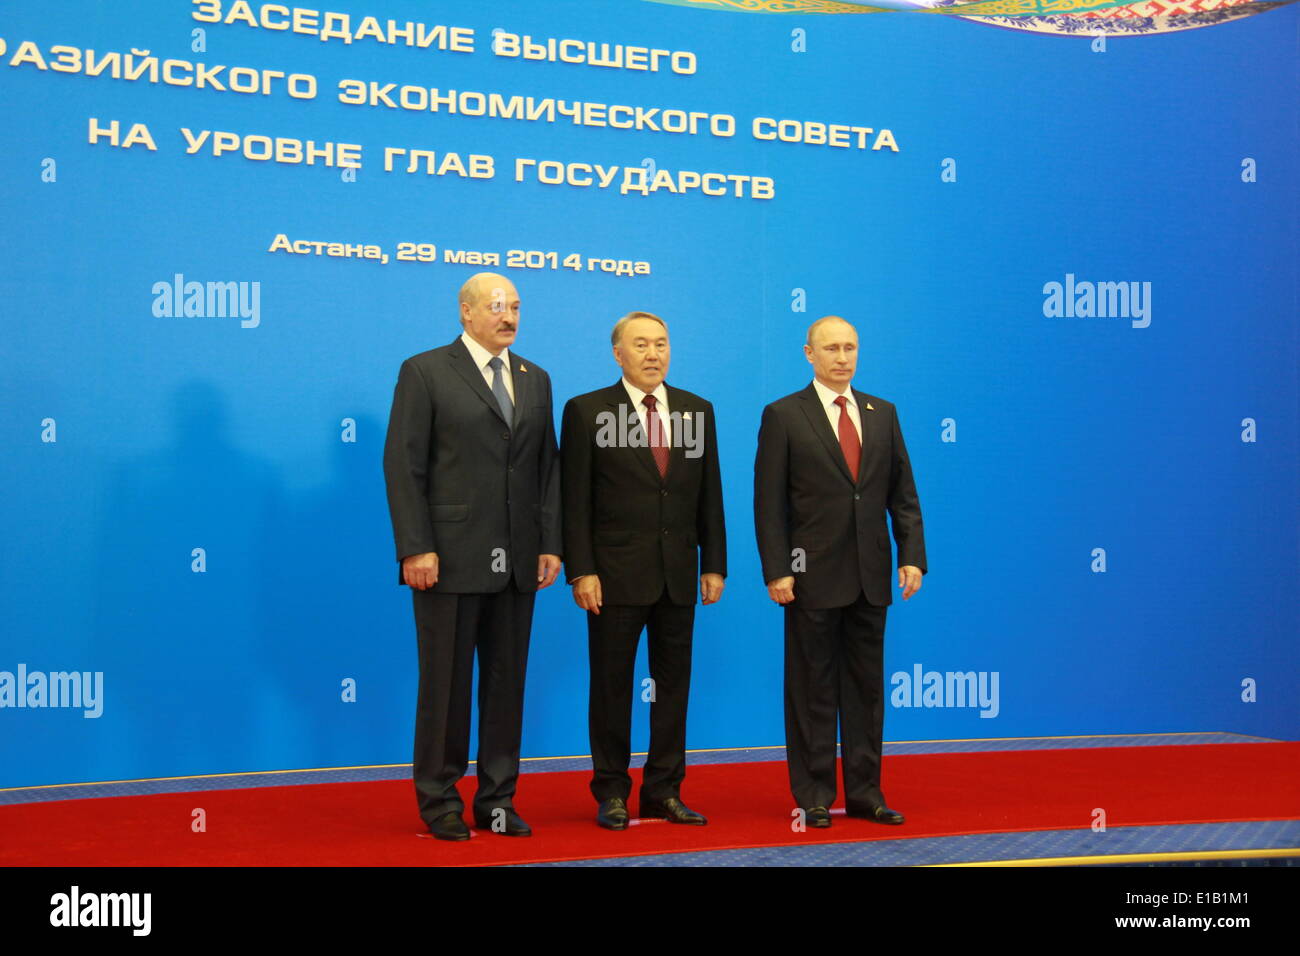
x,y
660,393
828,396
480,355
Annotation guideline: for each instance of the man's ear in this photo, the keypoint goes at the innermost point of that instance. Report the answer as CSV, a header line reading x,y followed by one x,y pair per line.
x,y
808,353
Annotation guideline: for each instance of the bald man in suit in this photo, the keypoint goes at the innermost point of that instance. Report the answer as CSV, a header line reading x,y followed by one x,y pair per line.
x,y
473,470
831,464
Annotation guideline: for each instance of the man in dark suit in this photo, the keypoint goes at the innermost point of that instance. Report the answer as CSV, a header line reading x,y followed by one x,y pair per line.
x,y
642,518
831,463
473,490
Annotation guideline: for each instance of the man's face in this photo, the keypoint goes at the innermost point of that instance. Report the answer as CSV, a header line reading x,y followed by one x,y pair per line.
x,y
493,320
642,353
833,354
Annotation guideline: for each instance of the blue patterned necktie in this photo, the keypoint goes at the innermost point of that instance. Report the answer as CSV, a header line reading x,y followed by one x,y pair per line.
x,y
499,390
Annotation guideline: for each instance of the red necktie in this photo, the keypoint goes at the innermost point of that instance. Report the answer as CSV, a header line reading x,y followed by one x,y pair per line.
x,y
850,444
658,446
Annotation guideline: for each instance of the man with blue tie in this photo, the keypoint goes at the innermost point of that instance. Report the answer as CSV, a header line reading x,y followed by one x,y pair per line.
x,y
831,464
472,470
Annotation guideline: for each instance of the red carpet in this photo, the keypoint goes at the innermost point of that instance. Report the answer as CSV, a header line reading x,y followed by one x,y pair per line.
x,y
375,824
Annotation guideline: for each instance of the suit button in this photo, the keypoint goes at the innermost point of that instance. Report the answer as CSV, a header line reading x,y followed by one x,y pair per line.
x,y
665,530
510,468
664,493
506,436
857,497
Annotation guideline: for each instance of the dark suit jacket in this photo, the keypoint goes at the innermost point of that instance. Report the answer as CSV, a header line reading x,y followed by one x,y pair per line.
x,y
805,498
639,533
463,484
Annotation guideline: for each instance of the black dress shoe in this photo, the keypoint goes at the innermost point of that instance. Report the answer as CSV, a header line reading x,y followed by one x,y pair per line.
x,y
818,817
672,810
612,814
504,821
449,826
879,813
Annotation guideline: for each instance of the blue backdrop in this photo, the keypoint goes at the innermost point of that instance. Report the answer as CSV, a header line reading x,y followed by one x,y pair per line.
x,y
129,439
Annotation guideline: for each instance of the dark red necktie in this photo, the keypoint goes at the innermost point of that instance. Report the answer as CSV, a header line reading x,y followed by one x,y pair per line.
x,y
658,445
850,444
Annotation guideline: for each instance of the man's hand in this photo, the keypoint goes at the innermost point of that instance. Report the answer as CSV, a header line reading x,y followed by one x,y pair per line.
x,y
420,571
548,568
586,593
781,590
909,579
711,586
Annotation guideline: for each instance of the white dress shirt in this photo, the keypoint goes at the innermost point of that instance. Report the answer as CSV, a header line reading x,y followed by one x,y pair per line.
x,y
833,411
661,406
482,356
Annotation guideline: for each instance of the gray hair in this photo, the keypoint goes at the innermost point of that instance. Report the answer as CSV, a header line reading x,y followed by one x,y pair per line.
x,y
617,334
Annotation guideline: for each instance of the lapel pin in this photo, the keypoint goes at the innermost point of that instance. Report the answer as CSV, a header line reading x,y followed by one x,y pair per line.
x,y
523,367
869,408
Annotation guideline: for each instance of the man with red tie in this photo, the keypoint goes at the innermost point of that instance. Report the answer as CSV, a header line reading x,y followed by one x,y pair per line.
x,y
643,529
831,464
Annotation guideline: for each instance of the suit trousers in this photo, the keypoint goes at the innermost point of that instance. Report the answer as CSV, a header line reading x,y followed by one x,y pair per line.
x,y
612,638
449,629
834,662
